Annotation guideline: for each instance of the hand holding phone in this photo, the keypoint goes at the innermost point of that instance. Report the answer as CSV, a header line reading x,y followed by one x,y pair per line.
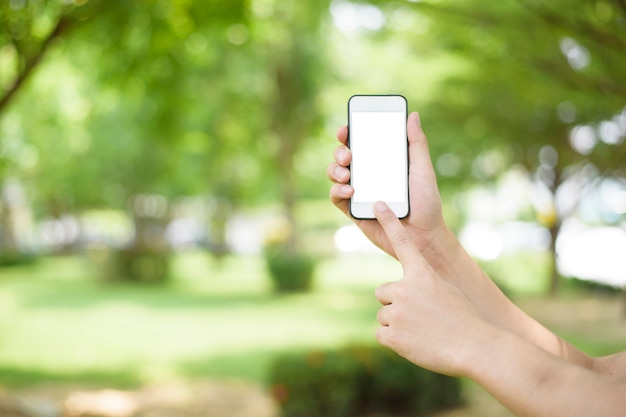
x,y
378,142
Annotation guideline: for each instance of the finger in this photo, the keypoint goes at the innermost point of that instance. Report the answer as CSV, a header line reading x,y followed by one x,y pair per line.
x,y
382,316
384,293
343,156
337,173
339,196
419,156
342,135
340,193
383,336
398,235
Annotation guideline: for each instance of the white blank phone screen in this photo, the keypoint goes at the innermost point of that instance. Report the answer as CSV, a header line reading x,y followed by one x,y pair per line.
x,y
379,156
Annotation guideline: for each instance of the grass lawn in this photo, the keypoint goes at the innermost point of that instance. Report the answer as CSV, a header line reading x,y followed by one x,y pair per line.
x,y
58,323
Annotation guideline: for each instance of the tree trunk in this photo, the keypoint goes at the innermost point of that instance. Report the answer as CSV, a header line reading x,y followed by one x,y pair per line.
x,y
555,228
30,63
12,201
555,277
147,257
289,198
8,240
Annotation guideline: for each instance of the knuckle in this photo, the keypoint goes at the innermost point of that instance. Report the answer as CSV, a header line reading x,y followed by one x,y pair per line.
x,y
335,193
330,171
382,336
338,173
386,337
380,292
386,293
379,316
342,155
402,239
391,314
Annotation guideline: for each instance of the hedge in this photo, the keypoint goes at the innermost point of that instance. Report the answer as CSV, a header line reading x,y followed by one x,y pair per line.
x,y
289,271
356,381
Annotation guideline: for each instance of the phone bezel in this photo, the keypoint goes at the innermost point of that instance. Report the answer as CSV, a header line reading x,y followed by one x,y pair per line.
x,y
379,103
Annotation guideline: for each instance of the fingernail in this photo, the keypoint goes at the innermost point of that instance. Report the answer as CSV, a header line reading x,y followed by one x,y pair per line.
x,y
343,154
380,207
339,172
417,120
346,189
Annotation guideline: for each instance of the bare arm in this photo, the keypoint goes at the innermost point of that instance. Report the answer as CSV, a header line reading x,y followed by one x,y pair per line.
x,y
435,325
612,365
441,248
454,264
531,382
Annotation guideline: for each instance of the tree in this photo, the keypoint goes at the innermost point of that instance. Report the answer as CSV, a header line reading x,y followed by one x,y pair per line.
x,y
29,30
88,169
296,67
537,73
177,98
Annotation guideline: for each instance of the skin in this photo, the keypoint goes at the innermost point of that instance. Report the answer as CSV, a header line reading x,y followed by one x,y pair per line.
x,y
447,315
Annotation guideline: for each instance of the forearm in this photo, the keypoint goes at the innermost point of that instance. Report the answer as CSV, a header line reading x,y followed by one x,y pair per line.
x,y
612,365
532,382
448,257
434,323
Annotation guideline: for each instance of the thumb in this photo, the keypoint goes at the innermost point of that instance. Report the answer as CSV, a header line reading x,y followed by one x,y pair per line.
x,y
399,236
419,157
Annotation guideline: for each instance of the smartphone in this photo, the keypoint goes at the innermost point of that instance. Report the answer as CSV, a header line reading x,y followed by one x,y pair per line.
x,y
378,142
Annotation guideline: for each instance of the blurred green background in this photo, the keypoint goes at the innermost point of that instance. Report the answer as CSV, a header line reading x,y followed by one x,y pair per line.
x,y
161,162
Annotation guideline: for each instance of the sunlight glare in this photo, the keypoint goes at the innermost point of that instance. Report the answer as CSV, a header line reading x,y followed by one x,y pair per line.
x,y
481,241
611,133
583,139
592,253
351,18
577,55
350,239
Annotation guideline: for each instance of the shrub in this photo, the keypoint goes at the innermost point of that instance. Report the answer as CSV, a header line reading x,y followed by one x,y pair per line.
x,y
16,259
132,264
289,271
316,384
357,381
590,287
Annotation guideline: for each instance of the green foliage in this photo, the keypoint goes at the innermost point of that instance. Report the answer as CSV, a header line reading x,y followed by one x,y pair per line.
x,y
62,325
522,273
8,258
16,377
578,285
240,99
289,271
522,89
171,331
316,384
139,265
358,380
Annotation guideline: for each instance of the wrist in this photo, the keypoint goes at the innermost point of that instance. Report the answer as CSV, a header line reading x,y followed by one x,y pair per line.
x,y
442,249
479,351
451,261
